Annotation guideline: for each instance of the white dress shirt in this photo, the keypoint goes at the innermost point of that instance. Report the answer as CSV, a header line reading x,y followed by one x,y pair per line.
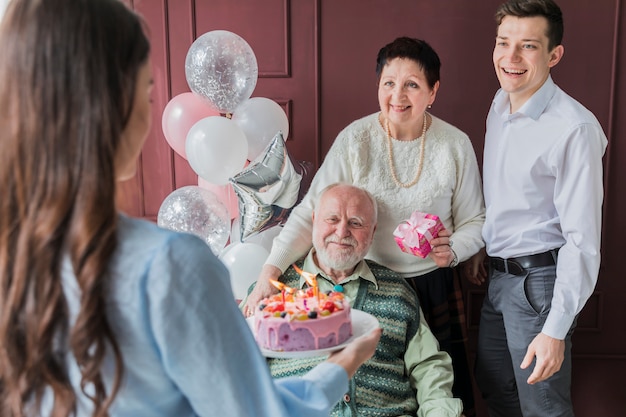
x,y
542,177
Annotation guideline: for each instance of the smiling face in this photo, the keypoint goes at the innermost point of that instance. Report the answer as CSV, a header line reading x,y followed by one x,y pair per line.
x,y
522,58
343,228
136,130
403,95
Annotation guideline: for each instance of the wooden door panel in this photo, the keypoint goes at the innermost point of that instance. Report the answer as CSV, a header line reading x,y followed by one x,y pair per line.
x,y
281,34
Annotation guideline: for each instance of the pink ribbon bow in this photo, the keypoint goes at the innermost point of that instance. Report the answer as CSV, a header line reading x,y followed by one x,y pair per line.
x,y
414,235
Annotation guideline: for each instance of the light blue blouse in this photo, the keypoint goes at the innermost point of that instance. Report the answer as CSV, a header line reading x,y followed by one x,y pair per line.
x,y
187,349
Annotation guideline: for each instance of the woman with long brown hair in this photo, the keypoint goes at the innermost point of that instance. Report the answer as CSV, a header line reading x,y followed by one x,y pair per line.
x,y
101,314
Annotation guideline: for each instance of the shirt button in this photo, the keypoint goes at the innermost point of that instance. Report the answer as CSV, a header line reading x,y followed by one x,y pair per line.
x,y
346,398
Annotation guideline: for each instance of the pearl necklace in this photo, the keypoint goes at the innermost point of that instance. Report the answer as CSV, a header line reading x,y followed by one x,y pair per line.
x,y
421,163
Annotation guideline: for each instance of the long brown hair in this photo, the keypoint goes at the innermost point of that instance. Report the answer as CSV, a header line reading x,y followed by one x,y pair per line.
x,y
67,79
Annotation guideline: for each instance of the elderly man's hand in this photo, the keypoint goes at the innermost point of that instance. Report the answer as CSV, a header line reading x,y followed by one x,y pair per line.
x,y
262,289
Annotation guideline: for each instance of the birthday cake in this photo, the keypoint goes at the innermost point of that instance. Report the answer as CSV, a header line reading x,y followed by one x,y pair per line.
x,y
299,320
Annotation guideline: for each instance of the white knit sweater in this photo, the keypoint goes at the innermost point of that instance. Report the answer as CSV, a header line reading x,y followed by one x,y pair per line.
x,y
449,187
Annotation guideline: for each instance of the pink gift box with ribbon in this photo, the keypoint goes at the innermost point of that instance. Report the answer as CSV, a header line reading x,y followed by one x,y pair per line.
x,y
414,235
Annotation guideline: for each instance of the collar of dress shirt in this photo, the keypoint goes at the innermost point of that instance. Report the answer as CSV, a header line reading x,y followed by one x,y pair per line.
x,y
535,105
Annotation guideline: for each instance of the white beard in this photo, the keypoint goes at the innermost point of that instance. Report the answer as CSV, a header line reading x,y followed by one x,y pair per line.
x,y
339,260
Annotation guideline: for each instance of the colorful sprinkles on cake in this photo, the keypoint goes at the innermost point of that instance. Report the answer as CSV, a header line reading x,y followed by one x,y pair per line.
x,y
304,304
300,319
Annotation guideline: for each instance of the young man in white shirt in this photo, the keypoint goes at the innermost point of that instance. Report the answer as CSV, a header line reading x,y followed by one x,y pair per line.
x,y
542,179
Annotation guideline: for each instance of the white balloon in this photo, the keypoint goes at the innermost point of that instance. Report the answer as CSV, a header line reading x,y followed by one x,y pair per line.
x,y
216,149
235,231
3,6
244,262
260,119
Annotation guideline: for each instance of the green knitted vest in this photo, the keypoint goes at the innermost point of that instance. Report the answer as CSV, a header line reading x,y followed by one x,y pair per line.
x,y
381,386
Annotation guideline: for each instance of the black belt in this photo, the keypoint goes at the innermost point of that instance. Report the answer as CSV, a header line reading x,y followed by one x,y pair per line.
x,y
518,265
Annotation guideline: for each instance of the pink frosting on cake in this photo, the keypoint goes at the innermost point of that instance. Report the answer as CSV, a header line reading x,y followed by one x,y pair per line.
x,y
304,324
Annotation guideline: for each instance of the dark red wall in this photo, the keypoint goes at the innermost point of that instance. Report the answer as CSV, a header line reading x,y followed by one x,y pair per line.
x,y
317,59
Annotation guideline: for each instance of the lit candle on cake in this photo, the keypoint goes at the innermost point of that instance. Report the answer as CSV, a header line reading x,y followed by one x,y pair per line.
x,y
310,279
281,287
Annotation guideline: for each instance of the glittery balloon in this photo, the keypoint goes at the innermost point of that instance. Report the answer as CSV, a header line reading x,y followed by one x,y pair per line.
x,y
222,68
267,189
198,211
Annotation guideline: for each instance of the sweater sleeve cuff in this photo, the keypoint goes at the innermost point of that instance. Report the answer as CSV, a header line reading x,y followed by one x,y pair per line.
x,y
280,258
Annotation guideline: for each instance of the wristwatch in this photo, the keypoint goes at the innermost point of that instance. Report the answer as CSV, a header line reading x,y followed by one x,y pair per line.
x,y
455,260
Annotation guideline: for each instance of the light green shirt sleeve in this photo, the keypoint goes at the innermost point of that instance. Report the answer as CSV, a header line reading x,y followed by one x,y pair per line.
x,y
430,371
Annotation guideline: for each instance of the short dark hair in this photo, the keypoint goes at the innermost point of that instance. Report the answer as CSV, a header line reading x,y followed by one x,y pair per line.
x,y
532,8
415,49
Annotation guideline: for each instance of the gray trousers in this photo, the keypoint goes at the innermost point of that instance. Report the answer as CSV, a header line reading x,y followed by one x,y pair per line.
x,y
513,313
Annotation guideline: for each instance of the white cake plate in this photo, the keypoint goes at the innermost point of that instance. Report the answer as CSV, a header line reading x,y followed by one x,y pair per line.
x,y
362,323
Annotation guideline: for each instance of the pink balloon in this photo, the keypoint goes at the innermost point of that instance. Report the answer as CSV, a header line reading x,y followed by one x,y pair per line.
x,y
182,112
224,193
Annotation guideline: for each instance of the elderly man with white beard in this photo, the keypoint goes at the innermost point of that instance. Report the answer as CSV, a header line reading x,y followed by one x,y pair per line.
x,y
408,375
